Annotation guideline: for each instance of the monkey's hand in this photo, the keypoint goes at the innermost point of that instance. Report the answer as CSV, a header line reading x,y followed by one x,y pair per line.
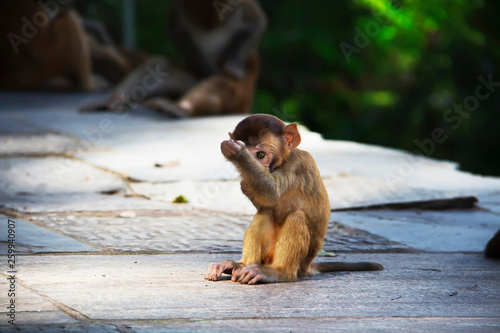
x,y
215,271
249,275
230,148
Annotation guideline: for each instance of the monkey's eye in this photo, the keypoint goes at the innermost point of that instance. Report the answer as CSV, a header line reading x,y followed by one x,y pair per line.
x,y
260,155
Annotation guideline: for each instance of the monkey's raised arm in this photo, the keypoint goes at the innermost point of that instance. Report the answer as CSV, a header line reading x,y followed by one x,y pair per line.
x,y
270,185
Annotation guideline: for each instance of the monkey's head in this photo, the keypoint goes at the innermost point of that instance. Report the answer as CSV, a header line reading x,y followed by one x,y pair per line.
x,y
267,138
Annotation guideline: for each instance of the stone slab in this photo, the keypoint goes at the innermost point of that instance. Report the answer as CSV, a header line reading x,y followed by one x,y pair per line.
x,y
201,232
444,231
188,149
55,174
31,309
12,125
92,328
47,184
224,196
56,318
13,102
342,238
198,233
36,144
335,324
168,287
30,238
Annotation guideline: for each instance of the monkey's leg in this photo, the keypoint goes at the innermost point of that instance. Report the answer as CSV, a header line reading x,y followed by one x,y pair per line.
x,y
252,249
291,248
217,94
156,77
256,239
164,105
205,98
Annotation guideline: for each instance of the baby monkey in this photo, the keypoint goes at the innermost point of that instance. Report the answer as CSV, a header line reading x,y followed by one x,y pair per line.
x,y
293,208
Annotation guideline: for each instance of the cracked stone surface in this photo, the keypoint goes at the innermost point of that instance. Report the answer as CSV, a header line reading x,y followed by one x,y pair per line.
x,y
32,309
63,184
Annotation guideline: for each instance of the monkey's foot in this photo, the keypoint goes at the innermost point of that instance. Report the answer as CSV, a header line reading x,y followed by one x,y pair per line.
x,y
248,275
167,107
215,271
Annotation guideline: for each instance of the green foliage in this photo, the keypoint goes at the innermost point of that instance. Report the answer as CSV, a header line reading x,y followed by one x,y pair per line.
x,y
407,63
180,199
412,61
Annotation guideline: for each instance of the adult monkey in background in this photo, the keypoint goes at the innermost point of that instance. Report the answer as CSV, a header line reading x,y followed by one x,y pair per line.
x,y
218,42
293,208
42,41
48,45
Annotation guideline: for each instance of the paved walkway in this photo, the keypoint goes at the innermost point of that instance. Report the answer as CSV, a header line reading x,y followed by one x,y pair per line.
x,y
102,248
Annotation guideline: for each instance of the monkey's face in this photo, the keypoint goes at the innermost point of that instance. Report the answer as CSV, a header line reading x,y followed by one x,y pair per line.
x,y
267,139
269,150
262,154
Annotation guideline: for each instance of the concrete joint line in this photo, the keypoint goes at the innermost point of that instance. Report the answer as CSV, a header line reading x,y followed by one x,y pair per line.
x,y
67,310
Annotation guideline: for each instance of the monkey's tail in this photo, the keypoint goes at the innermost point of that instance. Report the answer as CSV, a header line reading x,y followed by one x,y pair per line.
x,y
327,267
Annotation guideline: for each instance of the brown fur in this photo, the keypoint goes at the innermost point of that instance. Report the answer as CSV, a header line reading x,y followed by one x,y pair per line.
x,y
48,54
292,204
58,55
223,94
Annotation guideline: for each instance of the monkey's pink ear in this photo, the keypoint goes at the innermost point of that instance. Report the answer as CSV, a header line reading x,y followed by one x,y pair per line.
x,y
230,135
291,136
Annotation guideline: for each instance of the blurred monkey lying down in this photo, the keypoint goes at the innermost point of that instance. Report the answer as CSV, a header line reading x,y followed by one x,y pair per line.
x,y
217,41
49,46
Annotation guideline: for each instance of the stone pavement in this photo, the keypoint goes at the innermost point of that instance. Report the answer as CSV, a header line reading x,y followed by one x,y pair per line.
x,y
102,248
